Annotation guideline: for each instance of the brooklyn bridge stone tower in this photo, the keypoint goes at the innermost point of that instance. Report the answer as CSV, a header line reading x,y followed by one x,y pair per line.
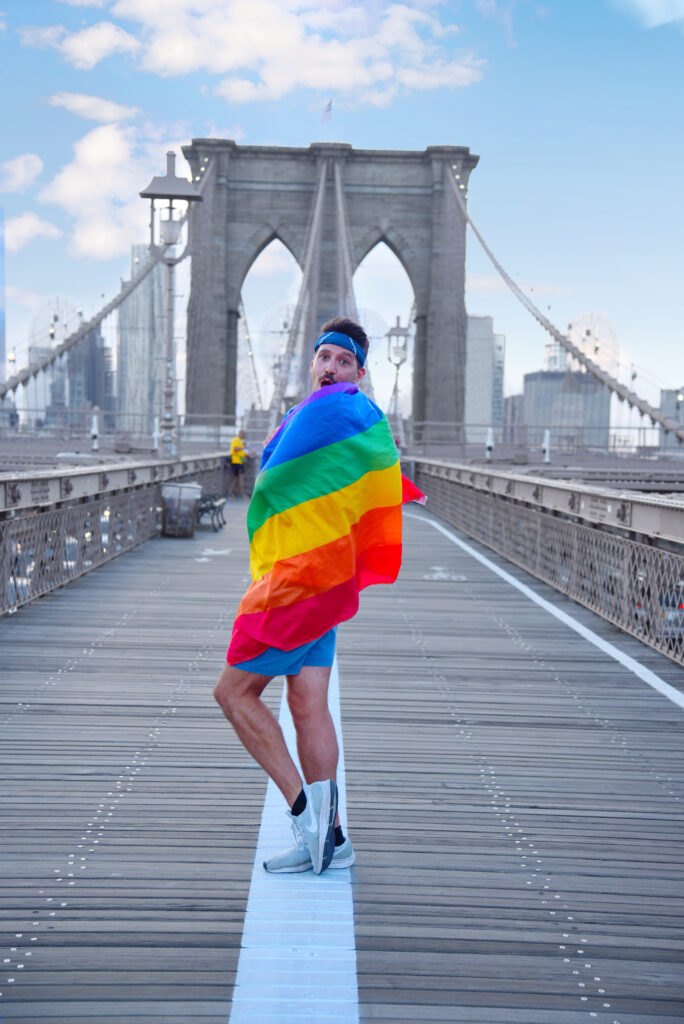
x,y
329,205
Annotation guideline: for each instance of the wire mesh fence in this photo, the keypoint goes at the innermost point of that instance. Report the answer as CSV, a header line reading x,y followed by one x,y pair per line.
x,y
637,586
43,550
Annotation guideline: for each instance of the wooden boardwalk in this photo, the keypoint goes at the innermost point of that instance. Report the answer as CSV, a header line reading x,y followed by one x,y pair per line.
x,y
515,798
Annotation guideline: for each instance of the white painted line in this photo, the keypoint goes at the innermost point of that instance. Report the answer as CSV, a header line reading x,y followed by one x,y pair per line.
x,y
643,673
298,954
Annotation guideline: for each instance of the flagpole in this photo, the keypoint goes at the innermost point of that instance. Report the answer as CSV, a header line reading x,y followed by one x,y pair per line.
x,y
326,120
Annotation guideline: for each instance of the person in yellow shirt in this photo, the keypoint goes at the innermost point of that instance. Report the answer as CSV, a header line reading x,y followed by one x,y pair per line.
x,y
238,458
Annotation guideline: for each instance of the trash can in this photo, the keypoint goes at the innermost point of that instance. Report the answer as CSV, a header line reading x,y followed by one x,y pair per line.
x,y
180,504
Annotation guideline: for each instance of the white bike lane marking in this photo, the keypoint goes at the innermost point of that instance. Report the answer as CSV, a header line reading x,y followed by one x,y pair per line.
x,y
297,960
639,670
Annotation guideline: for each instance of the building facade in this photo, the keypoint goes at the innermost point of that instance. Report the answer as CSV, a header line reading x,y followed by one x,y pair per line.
x,y
572,405
484,377
141,348
672,405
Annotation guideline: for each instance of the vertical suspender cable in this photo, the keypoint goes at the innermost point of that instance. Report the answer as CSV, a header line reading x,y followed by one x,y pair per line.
x,y
345,287
294,346
250,351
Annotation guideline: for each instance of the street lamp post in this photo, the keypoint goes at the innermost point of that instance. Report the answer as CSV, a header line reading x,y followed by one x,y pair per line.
x,y
171,189
397,352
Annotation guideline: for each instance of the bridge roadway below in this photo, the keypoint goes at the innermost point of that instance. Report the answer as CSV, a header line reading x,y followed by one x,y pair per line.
x,y
514,795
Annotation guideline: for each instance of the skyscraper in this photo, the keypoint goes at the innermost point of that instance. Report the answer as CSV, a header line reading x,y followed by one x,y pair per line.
x,y
90,374
573,405
141,348
672,405
485,353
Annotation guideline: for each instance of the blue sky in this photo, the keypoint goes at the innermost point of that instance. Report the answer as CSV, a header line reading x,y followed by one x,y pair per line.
x,y
574,107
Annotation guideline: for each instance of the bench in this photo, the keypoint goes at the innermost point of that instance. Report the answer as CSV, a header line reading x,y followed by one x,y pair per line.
x,y
212,505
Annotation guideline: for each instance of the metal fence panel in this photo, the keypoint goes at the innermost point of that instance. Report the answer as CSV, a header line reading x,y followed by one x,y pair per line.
x,y
636,586
46,549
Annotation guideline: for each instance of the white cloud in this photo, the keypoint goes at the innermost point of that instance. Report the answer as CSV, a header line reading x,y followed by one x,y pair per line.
x,y
82,49
23,297
501,11
655,12
485,283
100,167
265,49
25,228
488,283
84,3
87,48
42,36
17,174
235,131
274,259
452,75
94,108
99,190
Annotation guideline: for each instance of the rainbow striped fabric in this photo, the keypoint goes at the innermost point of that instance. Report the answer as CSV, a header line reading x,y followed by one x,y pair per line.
x,y
324,521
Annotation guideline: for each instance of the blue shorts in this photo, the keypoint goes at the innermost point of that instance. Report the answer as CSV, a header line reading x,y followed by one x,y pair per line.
x,y
274,662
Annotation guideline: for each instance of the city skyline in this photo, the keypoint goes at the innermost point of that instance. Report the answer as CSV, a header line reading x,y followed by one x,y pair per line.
x,y
571,108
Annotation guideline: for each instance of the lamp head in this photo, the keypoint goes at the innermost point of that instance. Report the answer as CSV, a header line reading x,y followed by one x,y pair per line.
x,y
170,186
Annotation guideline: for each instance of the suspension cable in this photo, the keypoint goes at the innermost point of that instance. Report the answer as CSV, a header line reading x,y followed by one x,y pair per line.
x,y
345,287
312,239
250,350
345,284
624,394
34,368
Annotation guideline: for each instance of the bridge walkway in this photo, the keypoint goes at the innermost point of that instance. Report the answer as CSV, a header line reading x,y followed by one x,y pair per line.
x,y
514,794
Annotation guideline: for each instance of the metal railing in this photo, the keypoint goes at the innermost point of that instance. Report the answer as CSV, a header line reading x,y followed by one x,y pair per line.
x,y
58,525
520,442
78,424
618,553
441,439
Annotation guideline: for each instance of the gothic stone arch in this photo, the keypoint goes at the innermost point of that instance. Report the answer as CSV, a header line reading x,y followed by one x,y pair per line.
x,y
257,193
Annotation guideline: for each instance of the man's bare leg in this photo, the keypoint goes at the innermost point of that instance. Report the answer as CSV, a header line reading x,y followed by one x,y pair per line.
x,y
307,697
239,695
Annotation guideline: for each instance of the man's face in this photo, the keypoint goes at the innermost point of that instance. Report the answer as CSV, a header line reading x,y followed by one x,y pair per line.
x,y
333,364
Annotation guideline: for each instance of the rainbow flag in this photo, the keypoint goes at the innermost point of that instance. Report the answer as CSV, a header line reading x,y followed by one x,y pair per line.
x,y
324,521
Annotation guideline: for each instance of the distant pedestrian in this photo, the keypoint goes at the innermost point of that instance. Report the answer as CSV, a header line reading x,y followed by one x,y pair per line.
x,y
238,458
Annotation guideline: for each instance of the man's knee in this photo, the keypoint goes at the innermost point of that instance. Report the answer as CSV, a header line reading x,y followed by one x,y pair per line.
x,y
226,693
306,703
235,687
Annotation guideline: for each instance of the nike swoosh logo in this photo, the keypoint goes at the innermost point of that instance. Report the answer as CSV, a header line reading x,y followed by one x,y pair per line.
x,y
312,826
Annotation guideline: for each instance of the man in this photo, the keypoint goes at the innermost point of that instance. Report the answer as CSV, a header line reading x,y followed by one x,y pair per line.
x,y
324,522
238,458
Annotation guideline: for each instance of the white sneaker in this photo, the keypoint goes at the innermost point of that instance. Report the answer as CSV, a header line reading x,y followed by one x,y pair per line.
x,y
316,823
297,857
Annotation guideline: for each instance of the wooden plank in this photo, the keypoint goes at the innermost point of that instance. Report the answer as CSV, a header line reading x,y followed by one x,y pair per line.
x,y
514,797
511,794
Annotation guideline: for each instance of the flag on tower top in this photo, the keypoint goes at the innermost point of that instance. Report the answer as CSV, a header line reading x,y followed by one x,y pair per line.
x,y
327,113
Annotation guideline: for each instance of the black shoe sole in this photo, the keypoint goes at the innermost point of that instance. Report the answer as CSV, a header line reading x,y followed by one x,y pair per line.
x,y
329,845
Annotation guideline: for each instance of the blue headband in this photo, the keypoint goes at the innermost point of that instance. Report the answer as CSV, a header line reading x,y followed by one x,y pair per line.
x,y
344,341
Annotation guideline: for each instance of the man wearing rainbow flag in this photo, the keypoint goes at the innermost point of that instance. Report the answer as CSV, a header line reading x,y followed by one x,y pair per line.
x,y
324,522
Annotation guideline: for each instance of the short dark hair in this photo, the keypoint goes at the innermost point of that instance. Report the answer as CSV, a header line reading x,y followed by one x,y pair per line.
x,y
346,326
